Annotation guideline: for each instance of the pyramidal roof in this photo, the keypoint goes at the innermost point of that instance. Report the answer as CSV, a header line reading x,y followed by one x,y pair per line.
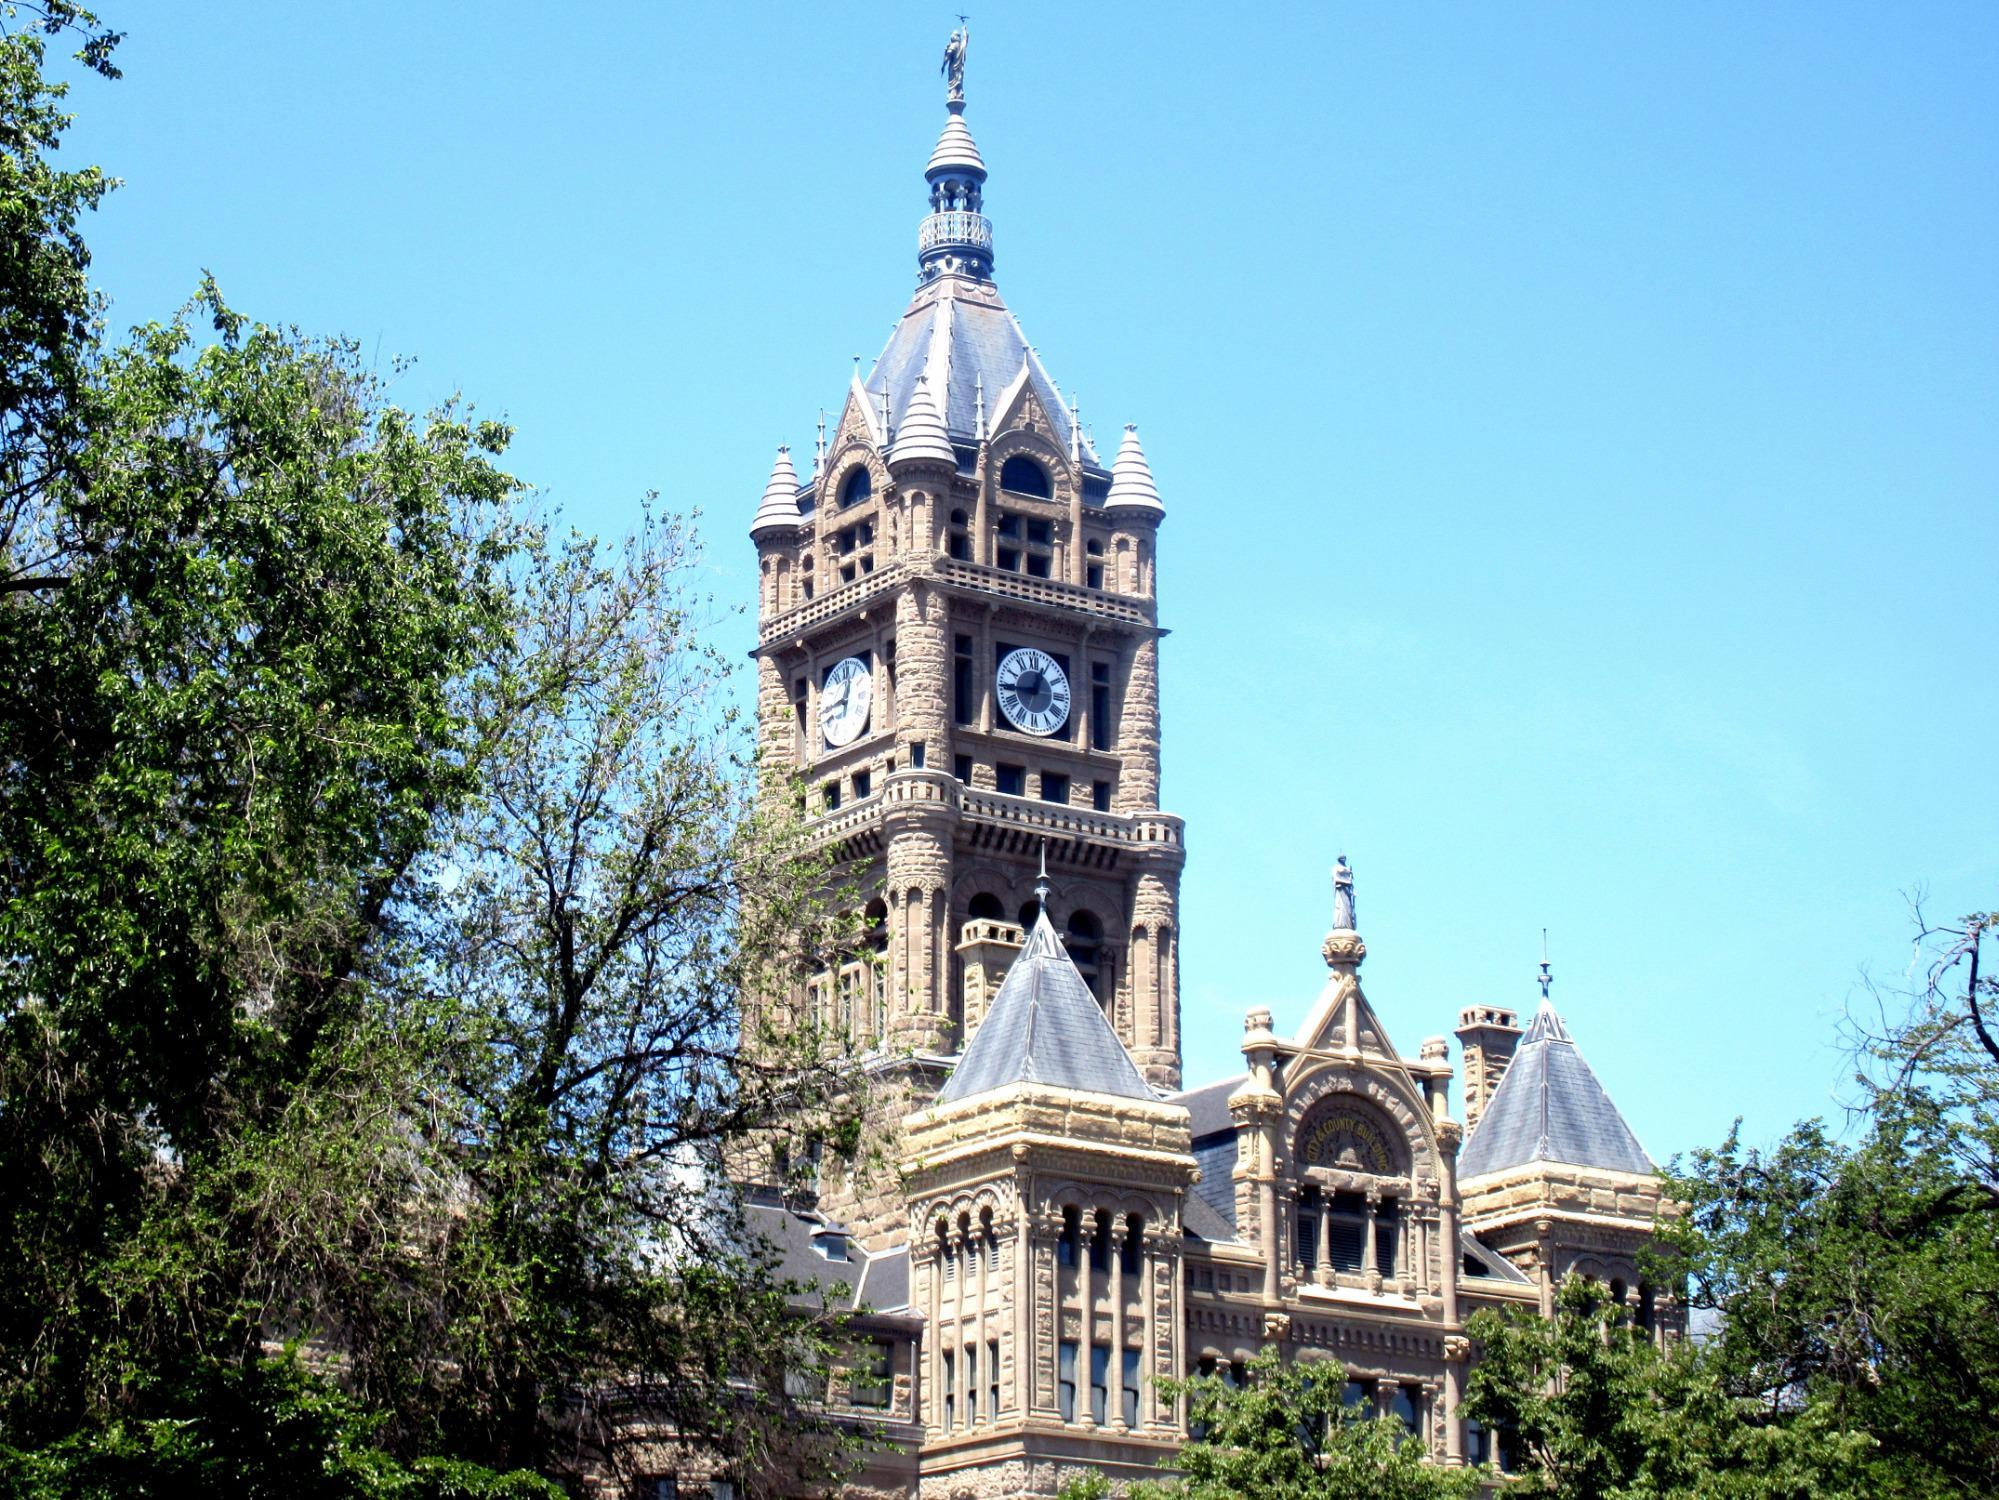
x,y
1045,1027
965,339
1549,1106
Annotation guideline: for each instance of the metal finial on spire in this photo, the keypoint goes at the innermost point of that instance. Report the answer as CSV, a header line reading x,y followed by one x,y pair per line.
x,y
1546,977
1075,429
1041,880
978,406
819,452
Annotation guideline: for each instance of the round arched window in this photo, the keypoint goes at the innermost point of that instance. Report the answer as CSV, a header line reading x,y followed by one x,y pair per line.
x,y
856,487
1024,476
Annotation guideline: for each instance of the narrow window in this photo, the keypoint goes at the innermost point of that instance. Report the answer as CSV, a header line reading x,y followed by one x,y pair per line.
x,y
916,755
1349,1232
964,706
1072,1234
1100,1377
971,1385
832,796
1054,787
1130,1392
959,542
1103,733
1100,1247
961,767
950,1390
1403,1408
1305,1232
1358,1394
1100,796
1065,1374
1387,1236
1134,1247
874,1374
1012,780
1085,940
1093,567
863,784
992,1380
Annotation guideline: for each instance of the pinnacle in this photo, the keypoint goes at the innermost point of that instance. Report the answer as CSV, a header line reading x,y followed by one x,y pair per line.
x,y
1131,477
922,437
779,506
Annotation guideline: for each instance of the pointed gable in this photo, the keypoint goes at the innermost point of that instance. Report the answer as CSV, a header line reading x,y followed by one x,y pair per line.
x,y
1550,1107
1045,1027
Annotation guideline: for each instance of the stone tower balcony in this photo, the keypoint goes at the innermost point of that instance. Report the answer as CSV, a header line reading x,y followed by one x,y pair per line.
x,y
996,821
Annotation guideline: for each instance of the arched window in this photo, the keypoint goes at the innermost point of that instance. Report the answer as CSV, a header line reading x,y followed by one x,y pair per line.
x,y
1029,910
1024,476
959,542
856,487
986,907
1085,942
808,575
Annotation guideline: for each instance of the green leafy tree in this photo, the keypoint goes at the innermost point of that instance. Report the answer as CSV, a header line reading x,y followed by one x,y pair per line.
x,y
1285,1433
377,886
1600,1412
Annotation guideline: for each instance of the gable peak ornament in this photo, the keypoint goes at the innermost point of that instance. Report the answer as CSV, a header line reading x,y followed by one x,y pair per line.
x,y
1343,949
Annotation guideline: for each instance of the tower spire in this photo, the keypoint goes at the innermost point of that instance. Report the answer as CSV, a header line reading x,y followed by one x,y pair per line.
x,y
957,238
1546,978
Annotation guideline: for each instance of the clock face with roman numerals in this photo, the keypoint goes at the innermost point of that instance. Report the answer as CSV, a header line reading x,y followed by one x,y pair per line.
x,y
1033,691
843,702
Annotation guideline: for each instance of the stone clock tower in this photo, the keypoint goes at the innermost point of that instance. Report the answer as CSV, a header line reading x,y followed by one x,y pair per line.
x,y
958,654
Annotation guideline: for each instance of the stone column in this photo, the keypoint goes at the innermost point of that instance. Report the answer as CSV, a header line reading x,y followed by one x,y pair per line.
x,y
1086,1334
1368,1268
934,1377
1153,967
1323,1271
1138,731
1457,1349
1449,1136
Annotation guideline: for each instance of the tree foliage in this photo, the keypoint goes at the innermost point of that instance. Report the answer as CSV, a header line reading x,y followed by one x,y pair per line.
x,y
1600,1412
1286,1433
377,886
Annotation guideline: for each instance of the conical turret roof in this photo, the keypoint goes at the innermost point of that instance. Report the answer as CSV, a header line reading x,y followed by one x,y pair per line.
x,y
1549,1106
921,435
1131,477
956,151
1045,1027
779,506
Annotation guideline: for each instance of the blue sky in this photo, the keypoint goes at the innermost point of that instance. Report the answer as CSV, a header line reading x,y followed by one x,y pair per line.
x,y
1577,422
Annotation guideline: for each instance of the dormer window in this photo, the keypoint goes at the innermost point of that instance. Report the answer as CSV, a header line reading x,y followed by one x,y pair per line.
x,y
1024,476
856,487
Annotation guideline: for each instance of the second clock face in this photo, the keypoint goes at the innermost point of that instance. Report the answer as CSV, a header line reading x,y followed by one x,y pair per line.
x,y
843,701
1033,691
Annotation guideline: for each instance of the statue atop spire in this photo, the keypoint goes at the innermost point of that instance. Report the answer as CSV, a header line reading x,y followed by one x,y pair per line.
x,y
954,66
1343,917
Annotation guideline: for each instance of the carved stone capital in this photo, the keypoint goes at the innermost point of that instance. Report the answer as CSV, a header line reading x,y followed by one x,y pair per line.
x,y
1457,1348
1343,948
1277,1326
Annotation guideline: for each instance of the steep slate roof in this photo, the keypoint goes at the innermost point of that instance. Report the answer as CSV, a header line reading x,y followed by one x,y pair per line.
x,y
1045,1027
1550,1107
963,343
